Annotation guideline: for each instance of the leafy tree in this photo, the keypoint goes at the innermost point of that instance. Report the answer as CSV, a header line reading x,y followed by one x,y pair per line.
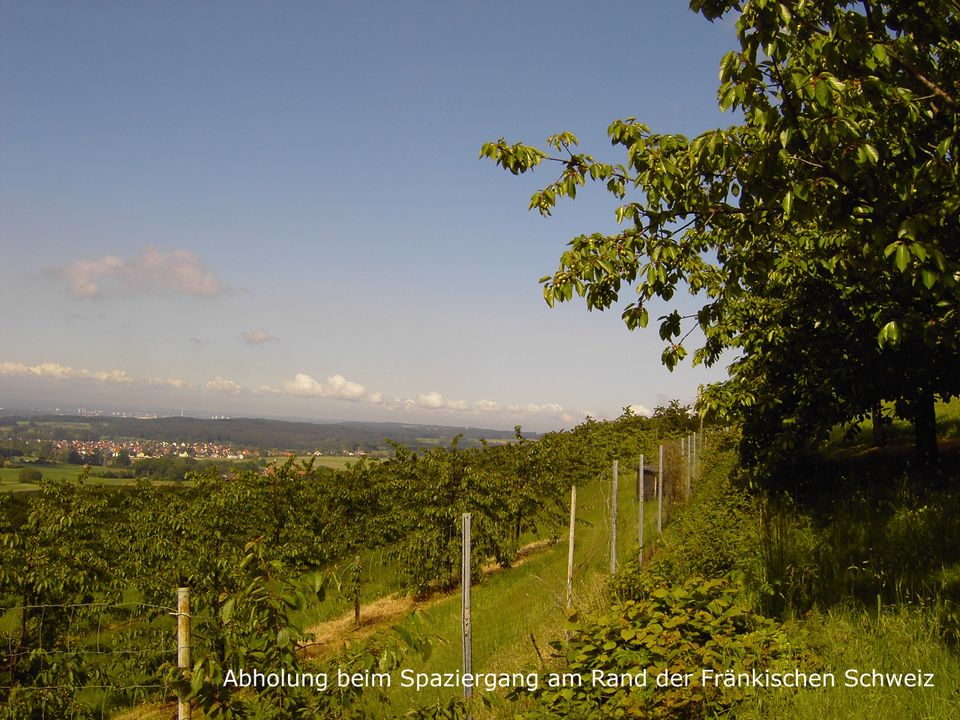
x,y
821,231
30,475
123,459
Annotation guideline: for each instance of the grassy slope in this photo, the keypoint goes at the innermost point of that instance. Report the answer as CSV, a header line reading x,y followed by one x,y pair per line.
x,y
528,600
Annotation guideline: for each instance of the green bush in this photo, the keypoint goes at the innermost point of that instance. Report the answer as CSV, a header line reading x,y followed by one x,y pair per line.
x,y
680,628
716,534
30,475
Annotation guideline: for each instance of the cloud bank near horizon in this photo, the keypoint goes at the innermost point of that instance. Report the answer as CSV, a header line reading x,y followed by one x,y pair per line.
x,y
304,386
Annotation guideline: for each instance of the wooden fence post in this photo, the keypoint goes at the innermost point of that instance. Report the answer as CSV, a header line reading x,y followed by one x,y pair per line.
x,y
183,647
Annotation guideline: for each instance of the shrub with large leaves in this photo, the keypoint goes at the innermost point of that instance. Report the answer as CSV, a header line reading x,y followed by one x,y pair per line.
x,y
679,628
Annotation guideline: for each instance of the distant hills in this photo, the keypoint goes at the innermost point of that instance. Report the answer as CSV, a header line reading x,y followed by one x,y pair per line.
x,y
252,432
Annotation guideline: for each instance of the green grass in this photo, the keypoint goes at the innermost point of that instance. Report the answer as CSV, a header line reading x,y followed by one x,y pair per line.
x,y
901,431
510,606
54,472
903,639
10,477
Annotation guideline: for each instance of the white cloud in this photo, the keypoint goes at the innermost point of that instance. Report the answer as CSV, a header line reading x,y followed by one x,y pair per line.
x,y
435,401
528,409
337,386
151,270
175,383
220,384
641,410
56,371
83,274
258,337
114,376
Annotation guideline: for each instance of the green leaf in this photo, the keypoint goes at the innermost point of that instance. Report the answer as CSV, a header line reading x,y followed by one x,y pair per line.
x,y
903,257
643,318
787,203
867,154
822,93
890,333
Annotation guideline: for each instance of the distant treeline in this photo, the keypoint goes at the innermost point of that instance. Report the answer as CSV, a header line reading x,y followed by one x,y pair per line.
x,y
175,468
250,432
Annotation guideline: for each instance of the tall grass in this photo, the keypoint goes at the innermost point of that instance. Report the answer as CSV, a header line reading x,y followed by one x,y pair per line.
x,y
903,639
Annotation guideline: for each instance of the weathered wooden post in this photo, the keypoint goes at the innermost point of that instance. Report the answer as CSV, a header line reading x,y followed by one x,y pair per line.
x,y
183,648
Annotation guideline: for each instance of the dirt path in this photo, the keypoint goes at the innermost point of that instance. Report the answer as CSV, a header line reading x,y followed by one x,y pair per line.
x,y
386,611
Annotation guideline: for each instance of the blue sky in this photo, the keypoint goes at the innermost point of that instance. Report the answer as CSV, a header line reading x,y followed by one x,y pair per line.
x,y
257,208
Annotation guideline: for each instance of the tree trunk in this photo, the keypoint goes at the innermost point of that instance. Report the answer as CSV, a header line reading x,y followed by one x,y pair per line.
x,y
879,426
925,430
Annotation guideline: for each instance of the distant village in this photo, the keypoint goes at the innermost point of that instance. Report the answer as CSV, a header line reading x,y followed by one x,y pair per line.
x,y
140,449
126,451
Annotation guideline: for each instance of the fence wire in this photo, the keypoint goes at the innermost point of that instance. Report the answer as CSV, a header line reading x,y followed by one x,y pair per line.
x,y
82,661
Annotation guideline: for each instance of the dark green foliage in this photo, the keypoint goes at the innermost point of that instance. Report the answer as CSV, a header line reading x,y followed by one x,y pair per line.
x,y
166,468
701,623
52,555
819,232
256,621
30,475
713,536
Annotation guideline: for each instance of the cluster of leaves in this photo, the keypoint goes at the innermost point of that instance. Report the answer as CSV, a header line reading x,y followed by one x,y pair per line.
x,y
680,628
820,231
257,621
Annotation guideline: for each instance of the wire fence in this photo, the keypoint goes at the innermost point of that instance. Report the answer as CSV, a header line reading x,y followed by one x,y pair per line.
x,y
84,660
